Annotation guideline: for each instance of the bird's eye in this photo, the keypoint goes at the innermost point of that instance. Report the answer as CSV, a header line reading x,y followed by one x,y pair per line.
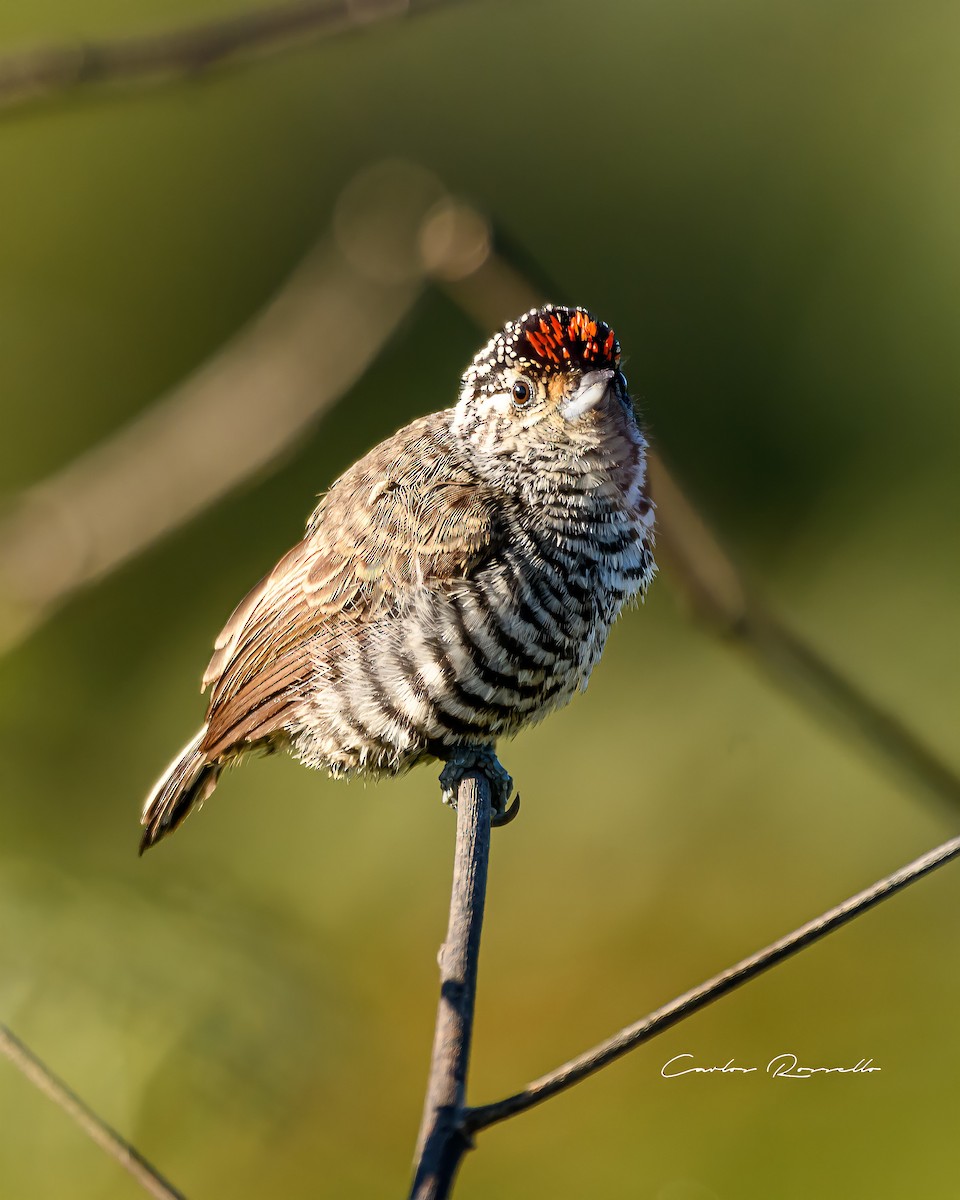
x,y
521,393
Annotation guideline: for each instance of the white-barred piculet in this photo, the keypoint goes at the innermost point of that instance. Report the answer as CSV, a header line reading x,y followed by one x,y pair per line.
x,y
454,585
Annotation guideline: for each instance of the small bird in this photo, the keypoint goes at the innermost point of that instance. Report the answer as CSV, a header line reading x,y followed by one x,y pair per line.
x,y
454,585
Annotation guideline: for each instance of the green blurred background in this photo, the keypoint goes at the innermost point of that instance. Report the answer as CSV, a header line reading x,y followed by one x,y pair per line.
x,y
762,197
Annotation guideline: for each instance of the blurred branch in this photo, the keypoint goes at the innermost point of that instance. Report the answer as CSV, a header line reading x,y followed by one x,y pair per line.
x,y
628,1039
442,1141
239,412
716,591
697,564
47,71
395,227
93,1126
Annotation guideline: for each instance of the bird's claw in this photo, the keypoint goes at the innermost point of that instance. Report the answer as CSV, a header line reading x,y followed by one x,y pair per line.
x,y
506,815
483,759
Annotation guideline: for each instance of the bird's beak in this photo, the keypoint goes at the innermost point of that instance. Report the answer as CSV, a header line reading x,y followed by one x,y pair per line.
x,y
592,388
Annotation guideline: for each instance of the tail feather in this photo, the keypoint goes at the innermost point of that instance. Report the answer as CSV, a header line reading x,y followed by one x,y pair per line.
x,y
186,783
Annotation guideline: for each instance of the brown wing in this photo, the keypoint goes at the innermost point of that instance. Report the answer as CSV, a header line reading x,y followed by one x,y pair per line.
x,y
411,513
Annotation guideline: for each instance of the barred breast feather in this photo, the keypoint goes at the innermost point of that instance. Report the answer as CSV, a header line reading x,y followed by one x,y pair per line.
x,y
435,610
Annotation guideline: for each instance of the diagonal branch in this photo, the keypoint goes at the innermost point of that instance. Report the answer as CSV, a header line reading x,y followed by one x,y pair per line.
x,y
83,1115
54,70
648,1027
442,1142
714,588
697,564
241,410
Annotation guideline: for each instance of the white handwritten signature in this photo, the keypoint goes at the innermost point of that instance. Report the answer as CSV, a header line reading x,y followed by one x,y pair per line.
x,y
783,1066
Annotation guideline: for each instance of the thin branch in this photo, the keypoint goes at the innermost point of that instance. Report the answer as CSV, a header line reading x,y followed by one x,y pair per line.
x,y
629,1038
83,1115
47,71
442,1141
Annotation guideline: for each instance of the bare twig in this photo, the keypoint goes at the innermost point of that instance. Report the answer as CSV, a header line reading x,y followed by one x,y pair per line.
x,y
83,1115
55,70
216,430
442,1142
690,1002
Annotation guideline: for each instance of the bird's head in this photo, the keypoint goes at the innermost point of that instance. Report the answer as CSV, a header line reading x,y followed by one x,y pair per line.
x,y
546,395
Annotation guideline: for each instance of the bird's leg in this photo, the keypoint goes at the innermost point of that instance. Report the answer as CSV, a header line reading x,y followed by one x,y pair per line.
x,y
464,759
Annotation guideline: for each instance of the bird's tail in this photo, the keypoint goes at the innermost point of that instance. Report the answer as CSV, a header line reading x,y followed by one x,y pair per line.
x,y
188,781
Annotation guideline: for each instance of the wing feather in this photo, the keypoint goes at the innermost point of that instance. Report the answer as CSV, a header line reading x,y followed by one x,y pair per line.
x,y
408,516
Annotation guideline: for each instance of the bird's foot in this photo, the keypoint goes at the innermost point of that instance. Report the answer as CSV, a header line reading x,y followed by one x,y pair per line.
x,y
465,759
